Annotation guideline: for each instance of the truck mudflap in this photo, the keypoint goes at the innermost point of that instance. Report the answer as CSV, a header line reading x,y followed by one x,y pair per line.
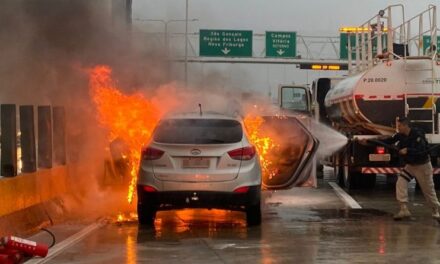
x,y
388,170
293,159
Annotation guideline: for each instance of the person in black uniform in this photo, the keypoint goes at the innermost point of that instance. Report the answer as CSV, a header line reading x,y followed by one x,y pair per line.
x,y
413,146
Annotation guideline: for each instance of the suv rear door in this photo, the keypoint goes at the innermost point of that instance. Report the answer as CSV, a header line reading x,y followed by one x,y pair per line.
x,y
196,150
293,159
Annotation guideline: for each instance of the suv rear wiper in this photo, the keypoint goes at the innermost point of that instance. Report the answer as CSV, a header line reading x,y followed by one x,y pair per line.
x,y
211,140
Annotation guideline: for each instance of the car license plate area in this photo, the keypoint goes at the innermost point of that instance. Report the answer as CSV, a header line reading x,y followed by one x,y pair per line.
x,y
379,157
197,163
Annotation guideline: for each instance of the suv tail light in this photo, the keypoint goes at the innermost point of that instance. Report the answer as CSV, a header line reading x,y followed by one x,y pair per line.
x,y
245,153
151,153
243,189
380,150
148,188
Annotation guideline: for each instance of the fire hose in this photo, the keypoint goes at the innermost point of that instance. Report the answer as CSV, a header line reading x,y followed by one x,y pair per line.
x,y
395,148
14,250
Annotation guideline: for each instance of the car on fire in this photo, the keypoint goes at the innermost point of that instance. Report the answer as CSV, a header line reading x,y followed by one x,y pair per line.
x,y
199,160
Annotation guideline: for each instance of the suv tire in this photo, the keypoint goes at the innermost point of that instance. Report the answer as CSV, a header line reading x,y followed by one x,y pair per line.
x,y
253,214
146,214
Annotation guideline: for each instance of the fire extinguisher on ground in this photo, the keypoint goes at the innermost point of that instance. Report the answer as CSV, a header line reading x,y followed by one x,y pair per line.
x,y
10,256
28,247
14,250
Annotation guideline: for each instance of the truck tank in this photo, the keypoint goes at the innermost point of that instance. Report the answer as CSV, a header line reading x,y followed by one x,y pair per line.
x,y
370,101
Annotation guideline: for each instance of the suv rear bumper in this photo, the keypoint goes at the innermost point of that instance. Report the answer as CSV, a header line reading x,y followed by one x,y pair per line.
x,y
169,200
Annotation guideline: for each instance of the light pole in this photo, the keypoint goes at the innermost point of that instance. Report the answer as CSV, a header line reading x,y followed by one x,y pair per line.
x,y
186,45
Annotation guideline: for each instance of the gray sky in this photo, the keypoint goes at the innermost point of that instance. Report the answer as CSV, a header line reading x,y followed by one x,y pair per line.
x,y
304,16
307,17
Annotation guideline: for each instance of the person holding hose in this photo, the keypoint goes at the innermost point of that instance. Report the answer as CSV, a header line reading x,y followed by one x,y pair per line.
x,y
413,146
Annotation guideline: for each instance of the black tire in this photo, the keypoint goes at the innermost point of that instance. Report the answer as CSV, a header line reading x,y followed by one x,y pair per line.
x,y
253,215
436,180
320,171
146,215
368,181
338,172
392,179
349,178
352,179
339,175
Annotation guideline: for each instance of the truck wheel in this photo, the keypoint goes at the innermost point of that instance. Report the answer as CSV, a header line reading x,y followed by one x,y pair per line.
x,y
368,181
352,179
339,175
146,214
338,172
319,171
391,180
253,214
436,180
348,178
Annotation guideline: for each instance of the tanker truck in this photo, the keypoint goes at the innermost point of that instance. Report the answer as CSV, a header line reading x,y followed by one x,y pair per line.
x,y
400,77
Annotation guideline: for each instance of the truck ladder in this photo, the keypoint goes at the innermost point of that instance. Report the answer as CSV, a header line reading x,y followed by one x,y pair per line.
x,y
421,108
422,113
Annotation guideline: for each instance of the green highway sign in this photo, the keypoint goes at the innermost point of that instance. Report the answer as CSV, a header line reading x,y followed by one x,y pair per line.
x,y
225,43
280,44
343,48
427,43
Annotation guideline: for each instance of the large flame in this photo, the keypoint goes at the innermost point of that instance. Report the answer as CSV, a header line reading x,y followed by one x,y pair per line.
x,y
263,143
131,118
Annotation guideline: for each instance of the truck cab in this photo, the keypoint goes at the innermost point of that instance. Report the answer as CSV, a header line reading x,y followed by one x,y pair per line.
x,y
296,98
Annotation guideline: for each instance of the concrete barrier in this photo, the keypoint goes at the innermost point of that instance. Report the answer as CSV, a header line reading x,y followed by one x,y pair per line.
x,y
29,189
30,220
28,199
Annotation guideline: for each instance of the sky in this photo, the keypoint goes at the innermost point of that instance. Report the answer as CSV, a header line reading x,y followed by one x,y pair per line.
x,y
306,17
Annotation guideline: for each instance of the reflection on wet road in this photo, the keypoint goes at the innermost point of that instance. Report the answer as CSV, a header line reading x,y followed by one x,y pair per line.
x,y
299,226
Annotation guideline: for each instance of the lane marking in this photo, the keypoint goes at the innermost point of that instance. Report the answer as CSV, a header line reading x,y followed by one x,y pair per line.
x,y
345,197
70,241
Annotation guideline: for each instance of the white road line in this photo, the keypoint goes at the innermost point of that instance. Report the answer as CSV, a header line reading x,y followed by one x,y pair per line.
x,y
70,241
347,199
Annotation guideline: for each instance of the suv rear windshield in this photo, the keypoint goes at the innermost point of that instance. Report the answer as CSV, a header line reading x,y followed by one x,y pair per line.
x,y
198,131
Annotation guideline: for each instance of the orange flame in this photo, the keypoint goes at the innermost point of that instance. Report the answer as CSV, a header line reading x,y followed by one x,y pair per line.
x,y
263,143
120,217
132,118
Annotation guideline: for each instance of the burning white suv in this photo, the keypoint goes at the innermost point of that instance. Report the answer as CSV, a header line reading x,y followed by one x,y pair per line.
x,y
199,161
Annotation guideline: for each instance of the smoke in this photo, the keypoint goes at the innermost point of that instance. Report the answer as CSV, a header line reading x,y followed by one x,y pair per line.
x,y
45,47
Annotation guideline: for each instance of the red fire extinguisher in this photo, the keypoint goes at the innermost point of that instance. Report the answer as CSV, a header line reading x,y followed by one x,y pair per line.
x,y
10,256
28,247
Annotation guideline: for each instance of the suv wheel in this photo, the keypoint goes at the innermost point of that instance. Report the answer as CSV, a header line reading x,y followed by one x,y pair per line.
x,y
253,215
146,214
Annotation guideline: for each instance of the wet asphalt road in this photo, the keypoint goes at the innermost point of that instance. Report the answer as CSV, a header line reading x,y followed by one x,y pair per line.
x,y
301,225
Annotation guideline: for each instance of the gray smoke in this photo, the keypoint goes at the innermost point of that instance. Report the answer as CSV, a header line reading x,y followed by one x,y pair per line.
x,y
46,47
